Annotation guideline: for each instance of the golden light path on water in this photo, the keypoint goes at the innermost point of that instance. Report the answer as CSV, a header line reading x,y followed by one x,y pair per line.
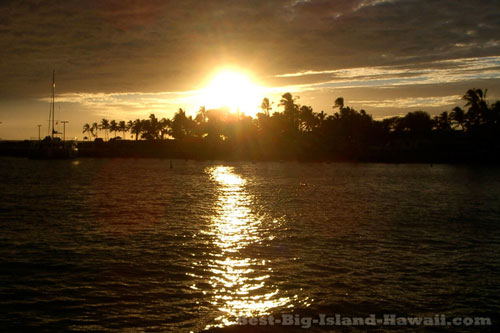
x,y
238,282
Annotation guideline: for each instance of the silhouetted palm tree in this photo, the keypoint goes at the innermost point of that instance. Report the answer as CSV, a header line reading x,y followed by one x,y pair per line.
x,y
87,129
151,128
105,127
182,126
130,123
416,122
95,130
442,122
476,98
339,103
476,101
113,127
288,102
136,128
458,116
291,110
308,118
266,106
122,127
165,127
321,116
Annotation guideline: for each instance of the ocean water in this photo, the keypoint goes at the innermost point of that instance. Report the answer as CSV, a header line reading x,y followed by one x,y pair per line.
x,y
133,244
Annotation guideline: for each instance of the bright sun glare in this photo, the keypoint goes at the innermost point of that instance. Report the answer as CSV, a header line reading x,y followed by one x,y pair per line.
x,y
233,90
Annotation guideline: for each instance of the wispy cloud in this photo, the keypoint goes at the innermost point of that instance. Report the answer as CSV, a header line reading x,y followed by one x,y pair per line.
x,y
412,102
129,103
446,71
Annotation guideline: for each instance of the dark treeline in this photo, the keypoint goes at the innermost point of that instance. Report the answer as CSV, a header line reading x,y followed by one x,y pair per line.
x,y
297,132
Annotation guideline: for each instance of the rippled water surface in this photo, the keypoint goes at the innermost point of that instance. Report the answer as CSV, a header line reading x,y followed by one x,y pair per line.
x,y
113,244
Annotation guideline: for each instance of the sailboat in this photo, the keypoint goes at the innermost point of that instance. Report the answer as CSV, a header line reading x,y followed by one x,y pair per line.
x,y
52,146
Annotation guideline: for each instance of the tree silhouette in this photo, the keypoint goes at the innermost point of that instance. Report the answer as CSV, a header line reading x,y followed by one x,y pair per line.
x,y
308,118
87,129
297,131
457,116
291,112
442,122
476,101
151,128
113,127
105,127
130,123
339,103
266,106
136,128
165,127
122,127
416,122
182,126
95,130
201,116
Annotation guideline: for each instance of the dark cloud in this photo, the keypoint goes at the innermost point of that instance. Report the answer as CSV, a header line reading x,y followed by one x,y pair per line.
x,y
117,45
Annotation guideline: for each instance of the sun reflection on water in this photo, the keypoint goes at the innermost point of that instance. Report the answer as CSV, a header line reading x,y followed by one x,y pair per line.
x,y
239,283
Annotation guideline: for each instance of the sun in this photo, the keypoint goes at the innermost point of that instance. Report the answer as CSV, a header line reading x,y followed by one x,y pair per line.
x,y
234,90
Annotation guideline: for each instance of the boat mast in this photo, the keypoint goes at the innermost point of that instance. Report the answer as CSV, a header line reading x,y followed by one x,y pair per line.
x,y
53,102
50,119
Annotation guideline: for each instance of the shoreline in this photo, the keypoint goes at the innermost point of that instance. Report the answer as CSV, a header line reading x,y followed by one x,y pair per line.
x,y
204,150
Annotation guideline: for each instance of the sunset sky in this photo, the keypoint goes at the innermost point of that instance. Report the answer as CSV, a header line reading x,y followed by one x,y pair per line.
x,y
125,59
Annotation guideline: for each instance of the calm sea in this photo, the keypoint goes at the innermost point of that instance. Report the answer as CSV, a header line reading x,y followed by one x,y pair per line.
x,y
115,244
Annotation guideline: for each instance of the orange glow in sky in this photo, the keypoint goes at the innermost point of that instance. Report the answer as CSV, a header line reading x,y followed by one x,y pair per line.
x,y
234,90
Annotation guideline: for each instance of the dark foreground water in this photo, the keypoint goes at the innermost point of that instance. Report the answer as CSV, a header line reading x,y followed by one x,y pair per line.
x,y
133,244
